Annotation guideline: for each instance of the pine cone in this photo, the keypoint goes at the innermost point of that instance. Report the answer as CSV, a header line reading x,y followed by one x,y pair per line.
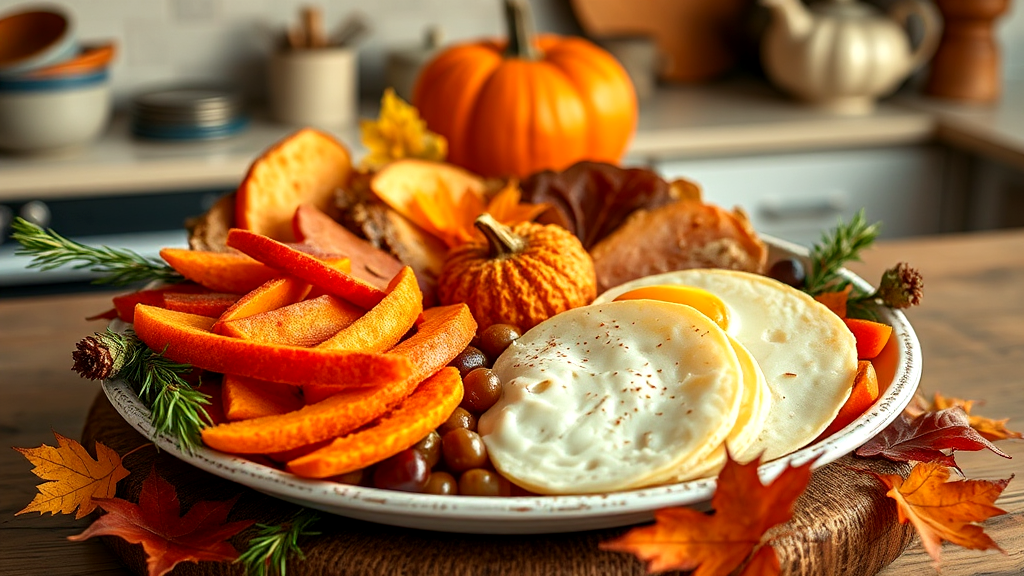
x,y
100,356
93,359
901,286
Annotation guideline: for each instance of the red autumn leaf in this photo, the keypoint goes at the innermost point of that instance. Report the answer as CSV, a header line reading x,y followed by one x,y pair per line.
x,y
942,510
167,537
717,544
989,428
923,438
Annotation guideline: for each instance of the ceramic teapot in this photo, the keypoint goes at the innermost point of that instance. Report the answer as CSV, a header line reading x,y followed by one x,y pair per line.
x,y
843,54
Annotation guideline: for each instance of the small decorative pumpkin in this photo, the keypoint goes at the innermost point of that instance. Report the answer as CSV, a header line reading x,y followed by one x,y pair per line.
x,y
509,109
520,276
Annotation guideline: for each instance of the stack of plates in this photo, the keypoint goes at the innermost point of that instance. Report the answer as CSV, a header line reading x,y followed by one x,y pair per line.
x,y
188,113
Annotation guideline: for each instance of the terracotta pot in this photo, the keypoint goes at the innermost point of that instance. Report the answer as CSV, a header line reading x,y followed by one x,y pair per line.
x,y
966,65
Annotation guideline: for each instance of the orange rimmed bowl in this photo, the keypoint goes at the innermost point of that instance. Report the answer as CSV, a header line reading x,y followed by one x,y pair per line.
x,y
34,39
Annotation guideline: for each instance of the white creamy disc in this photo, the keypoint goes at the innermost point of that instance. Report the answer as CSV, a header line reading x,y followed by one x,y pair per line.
x,y
807,354
599,398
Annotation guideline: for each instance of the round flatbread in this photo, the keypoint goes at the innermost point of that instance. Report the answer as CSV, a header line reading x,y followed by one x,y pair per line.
x,y
604,398
806,352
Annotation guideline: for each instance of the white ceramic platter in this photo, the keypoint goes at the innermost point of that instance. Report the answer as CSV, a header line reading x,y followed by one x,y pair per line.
x,y
538,514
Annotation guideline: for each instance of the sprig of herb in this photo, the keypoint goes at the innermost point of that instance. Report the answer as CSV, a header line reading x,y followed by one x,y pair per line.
x,y
270,549
900,287
843,244
175,407
117,267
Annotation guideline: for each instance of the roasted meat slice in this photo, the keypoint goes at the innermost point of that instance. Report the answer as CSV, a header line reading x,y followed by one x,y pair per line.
x,y
679,236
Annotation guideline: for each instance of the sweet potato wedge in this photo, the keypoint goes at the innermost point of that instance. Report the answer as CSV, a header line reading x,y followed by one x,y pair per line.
x,y
305,323
331,411
187,338
291,261
426,409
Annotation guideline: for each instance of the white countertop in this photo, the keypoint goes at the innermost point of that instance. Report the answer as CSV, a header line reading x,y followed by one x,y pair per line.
x,y
725,119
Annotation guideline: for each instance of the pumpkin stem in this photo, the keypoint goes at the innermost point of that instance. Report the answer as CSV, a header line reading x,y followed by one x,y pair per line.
x,y
520,31
503,241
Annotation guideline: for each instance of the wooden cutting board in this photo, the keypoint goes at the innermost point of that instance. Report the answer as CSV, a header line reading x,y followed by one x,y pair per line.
x,y
844,526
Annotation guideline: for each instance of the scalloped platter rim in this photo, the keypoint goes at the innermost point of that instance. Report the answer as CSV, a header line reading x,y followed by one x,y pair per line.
x,y
533,514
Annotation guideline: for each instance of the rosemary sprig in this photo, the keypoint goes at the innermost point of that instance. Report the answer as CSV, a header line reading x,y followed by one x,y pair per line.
x,y
273,545
175,407
843,244
901,286
118,267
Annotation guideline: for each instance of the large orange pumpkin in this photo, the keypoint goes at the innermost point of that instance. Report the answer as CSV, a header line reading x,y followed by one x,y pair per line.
x,y
532,103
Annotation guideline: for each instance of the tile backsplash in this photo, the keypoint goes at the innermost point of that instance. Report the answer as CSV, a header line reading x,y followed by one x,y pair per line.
x,y
165,41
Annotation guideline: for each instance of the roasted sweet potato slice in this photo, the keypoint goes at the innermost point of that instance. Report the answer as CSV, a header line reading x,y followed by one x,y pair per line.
x,y
369,264
304,168
305,323
332,410
187,338
426,409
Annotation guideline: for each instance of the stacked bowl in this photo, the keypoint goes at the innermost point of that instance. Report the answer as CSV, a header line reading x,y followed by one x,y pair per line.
x,y
54,91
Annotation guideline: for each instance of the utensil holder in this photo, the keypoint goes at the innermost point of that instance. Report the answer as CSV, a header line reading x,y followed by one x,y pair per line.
x,y
316,87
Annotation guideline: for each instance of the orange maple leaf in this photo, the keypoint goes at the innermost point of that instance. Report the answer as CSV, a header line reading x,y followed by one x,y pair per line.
x,y
989,428
717,544
942,510
167,537
77,479
450,216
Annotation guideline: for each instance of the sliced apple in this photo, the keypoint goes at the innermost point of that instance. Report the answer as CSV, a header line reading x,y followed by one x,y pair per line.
x,y
307,167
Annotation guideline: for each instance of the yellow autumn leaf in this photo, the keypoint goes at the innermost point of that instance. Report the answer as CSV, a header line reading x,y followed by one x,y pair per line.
x,y
76,478
399,132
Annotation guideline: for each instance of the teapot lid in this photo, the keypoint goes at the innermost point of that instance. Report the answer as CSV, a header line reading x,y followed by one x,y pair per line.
x,y
844,8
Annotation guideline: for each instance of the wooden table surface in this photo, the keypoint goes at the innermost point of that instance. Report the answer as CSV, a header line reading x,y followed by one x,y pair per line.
x,y
971,328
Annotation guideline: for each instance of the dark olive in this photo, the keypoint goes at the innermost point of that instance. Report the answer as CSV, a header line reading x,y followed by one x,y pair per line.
x,y
468,360
480,482
482,388
788,271
406,471
496,338
430,446
460,418
463,449
441,483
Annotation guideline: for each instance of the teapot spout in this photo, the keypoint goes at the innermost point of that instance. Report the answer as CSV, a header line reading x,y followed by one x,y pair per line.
x,y
791,16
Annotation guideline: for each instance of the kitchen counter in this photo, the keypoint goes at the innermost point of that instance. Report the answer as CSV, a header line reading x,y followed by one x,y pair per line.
x,y
971,327
724,119
995,131
729,118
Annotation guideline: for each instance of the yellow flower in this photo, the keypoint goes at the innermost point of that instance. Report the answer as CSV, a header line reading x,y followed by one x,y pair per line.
x,y
398,133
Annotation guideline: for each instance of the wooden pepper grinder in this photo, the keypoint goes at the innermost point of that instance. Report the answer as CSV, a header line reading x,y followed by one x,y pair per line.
x,y
966,64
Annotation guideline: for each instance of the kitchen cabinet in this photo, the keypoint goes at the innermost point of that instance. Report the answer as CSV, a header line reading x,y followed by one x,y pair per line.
x,y
797,196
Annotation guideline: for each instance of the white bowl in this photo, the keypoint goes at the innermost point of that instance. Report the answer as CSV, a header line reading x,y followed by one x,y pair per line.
x,y
40,115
